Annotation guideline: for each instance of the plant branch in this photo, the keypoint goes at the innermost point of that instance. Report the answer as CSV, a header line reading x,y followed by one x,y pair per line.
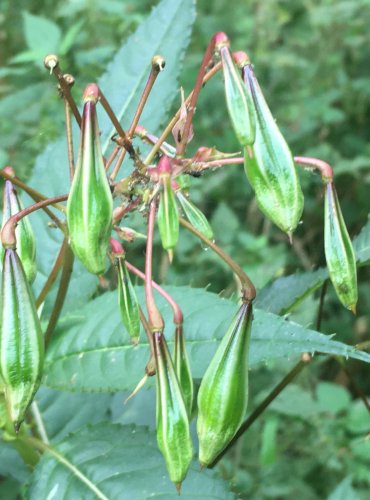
x,y
158,64
8,238
249,291
194,96
53,274
324,168
51,63
178,316
67,112
155,318
62,292
175,118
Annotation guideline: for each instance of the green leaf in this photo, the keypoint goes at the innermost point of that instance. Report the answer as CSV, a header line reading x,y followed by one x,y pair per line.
x,y
11,463
65,412
362,244
286,293
119,462
332,398
41,34
91,351
166,32
344,491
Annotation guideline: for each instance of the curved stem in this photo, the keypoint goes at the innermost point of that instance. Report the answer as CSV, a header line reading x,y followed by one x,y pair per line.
x,y
323,167
66,91
53,274
45,448
35,195
194,96
155,318
8,238
249,291
178,316
62,292
175,118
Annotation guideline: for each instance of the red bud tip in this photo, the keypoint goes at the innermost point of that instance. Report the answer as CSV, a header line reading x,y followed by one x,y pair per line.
x,y
140,131
178,487
9,171
116,247
91,93
220,39
175,186
241,59
164,166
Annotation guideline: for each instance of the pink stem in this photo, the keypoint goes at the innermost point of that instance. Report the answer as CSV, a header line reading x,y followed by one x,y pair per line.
x,y
178,317
325,169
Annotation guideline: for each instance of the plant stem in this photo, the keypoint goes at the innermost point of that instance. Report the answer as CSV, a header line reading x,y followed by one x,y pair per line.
x,y
175,118
8,238
262,407
64,87
194,97
178,316
37,417
157,66
321,304
324,168
35,195
62,292
155,318
126,141
67,112
53,274
249,291
45,448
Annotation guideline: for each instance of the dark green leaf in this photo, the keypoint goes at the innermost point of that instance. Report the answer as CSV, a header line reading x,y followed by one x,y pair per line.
x,y
121,462
41,33
91,351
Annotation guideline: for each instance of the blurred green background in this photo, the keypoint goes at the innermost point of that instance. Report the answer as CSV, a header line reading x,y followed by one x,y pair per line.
x,y
312,59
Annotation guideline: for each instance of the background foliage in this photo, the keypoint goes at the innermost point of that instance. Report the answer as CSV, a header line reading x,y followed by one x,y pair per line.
x,y
312,60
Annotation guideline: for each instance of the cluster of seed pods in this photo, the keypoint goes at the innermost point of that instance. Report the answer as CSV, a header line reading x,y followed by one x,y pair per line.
x,y
157,187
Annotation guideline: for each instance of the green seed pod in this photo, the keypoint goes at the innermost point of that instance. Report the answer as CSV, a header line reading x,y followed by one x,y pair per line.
x,y
223,392
238,100
195,216
127,301
173,434
339,253
270,167
90,205
168,215
26,243
182,369
21,339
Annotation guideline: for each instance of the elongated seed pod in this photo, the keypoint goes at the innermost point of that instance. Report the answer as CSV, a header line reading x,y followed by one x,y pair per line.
x,y
238,99
173,434
168,215
26,243
339,253
21,339
223,392
127,301
269,165
89,207
182,369
195,216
